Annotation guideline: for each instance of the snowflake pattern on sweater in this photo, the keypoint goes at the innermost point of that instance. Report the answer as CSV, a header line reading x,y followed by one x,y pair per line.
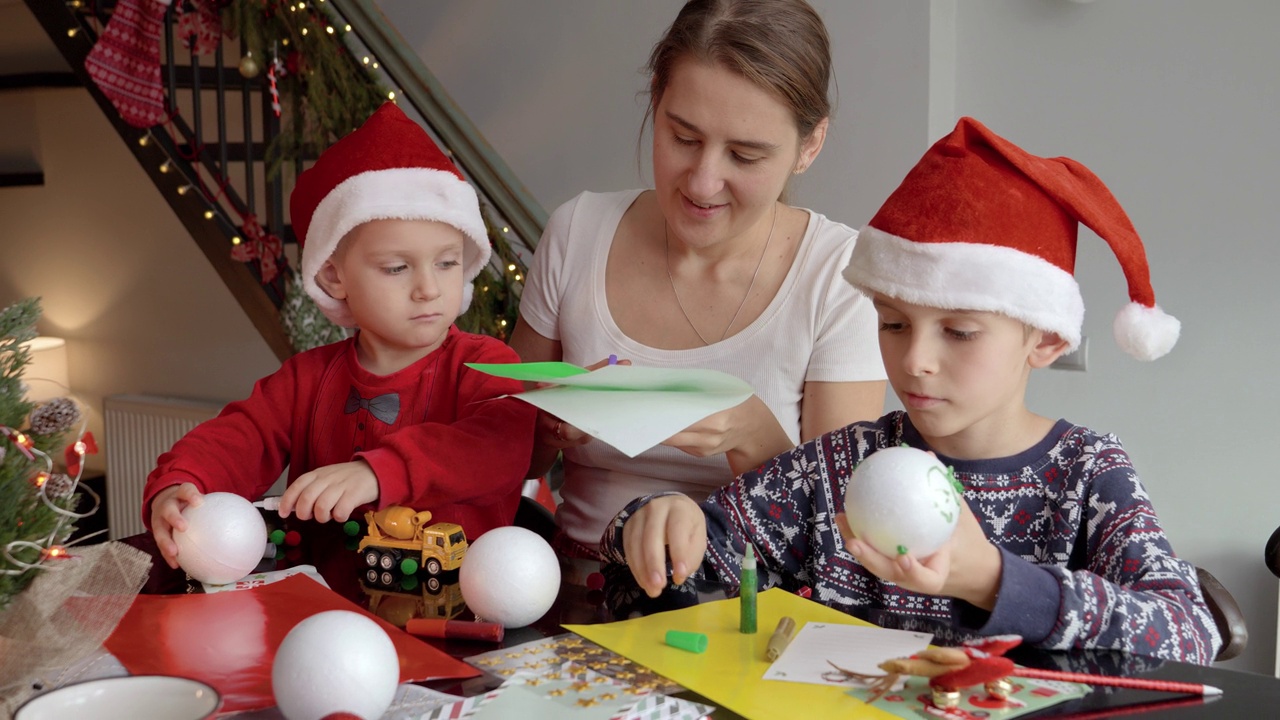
x,y
1086,563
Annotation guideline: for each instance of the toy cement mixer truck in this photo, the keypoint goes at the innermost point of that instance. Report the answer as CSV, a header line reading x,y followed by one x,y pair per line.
x,y
400,542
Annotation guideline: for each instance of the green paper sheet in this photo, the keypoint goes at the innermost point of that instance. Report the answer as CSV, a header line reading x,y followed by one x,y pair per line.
x,y
547,372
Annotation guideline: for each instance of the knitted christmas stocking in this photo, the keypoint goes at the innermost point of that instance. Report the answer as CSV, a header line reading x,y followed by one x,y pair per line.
x,y
125,63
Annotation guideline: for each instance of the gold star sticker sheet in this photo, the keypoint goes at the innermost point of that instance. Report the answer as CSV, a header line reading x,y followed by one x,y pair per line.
x,y
569,692
553,652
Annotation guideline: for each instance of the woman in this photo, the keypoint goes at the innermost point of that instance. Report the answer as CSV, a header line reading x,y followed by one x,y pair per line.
x,y
709,268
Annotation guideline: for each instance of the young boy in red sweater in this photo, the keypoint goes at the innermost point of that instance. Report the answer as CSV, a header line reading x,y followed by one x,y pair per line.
x,y
392,237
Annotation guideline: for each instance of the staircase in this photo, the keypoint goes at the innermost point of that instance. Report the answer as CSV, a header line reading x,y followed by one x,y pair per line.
x,y
209,158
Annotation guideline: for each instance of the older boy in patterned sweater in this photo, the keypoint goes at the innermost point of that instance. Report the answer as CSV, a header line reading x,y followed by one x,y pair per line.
x,y
970,264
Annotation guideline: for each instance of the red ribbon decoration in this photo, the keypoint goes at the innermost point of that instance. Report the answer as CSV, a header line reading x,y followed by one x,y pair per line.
x,y
74,457
260,245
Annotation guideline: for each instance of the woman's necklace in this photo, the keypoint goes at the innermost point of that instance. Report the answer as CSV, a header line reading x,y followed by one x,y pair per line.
x,y
666,238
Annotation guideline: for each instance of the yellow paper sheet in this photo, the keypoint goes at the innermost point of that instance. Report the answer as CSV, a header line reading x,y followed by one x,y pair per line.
x,y
731,671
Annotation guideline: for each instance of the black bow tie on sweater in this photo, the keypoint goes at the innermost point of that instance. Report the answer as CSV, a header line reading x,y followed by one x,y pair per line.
x,y
383,407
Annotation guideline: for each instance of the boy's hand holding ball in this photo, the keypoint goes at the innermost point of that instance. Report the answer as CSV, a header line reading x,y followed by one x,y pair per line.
x,y
222,539
166,517
906,521
902,500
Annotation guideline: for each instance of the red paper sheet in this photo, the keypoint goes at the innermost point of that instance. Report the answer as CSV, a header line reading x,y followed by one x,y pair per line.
x,y
229,639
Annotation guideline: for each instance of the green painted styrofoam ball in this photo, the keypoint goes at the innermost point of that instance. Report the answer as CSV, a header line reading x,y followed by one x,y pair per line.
x,y
903,500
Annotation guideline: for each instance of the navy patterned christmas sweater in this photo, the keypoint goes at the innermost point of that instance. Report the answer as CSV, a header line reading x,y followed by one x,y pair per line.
x,y
1085,561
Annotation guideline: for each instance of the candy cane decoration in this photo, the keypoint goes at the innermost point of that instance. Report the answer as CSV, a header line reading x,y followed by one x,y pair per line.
x,y
276,67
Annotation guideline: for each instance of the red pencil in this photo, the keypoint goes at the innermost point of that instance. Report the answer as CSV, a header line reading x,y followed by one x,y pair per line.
x,y
1169,686
1138,708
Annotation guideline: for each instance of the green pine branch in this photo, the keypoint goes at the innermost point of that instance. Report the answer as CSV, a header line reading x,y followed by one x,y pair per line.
x,y
23,515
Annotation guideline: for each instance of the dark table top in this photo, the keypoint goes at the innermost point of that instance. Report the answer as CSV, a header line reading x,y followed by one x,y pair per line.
x,y
1245,695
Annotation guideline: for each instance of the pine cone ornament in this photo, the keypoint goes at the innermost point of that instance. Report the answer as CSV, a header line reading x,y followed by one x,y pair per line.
x,y
59,486
57,415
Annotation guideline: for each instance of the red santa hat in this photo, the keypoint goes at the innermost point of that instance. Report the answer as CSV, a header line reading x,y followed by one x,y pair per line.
x,y
980,224
389,168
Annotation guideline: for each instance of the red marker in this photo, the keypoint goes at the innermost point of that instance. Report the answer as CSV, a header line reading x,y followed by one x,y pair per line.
x,y
455,629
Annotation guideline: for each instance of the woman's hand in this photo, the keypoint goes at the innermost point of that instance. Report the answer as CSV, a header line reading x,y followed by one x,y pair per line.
x,y
966,567
556,433
671,524
553,432
747,434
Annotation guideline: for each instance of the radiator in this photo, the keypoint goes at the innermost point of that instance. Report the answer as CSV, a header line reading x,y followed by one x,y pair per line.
x,y
139,429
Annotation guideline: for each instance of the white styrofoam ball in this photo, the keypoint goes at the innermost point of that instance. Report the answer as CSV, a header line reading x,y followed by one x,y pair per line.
x,y
335,661
902,500
224,538
510,575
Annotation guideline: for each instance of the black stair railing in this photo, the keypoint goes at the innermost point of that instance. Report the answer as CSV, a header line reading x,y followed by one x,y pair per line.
x,y
209,156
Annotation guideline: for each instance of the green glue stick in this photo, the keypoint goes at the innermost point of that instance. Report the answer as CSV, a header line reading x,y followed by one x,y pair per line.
x,y
747,592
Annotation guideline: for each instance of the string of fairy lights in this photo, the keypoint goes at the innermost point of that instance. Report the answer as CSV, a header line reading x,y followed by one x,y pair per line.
x,y
55,491
186,159
190,172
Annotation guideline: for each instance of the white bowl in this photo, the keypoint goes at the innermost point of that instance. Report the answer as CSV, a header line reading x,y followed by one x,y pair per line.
x,y
133,697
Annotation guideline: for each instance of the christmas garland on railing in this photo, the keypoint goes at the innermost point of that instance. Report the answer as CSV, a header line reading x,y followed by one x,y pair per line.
x,y
324,91
327,90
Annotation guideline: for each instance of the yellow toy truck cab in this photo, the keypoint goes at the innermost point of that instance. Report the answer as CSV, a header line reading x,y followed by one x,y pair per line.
x,y
400,542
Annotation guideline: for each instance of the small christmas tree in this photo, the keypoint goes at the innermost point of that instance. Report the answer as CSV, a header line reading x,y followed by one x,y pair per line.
x,y
55,607
37,504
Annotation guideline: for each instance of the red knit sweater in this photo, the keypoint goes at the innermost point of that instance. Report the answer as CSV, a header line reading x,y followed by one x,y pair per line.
x,y
452,448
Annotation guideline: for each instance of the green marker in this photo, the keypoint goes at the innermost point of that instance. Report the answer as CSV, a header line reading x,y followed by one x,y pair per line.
x,y
747,592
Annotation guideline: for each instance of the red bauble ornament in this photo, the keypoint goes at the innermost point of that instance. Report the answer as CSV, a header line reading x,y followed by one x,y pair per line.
x,y
293,62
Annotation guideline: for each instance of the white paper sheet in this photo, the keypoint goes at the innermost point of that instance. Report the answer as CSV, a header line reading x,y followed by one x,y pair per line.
x,y
859,649
635,408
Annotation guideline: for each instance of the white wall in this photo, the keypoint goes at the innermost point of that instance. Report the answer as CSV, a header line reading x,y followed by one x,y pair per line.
x,y
556,87
1174,105
1172,102
141,308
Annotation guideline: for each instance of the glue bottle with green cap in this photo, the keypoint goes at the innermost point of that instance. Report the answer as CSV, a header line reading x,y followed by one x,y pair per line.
x,y
747,592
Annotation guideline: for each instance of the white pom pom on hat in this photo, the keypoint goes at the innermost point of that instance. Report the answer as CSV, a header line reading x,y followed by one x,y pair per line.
x,y
1145,332
981,224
